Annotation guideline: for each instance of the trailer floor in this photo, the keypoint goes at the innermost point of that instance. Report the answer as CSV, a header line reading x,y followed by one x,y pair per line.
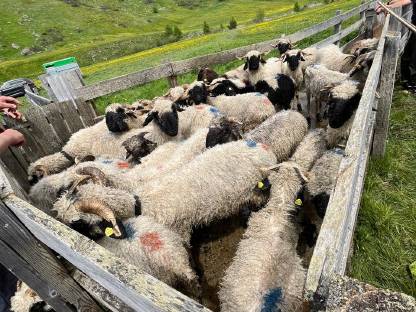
x,y
385,239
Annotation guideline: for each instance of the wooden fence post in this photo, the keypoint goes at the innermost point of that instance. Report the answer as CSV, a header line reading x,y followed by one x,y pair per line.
x,y
30,261
362,13
369,23
337,27
388,70
173,81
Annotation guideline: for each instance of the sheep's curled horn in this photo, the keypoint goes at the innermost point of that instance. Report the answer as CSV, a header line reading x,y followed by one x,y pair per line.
x,y
95,206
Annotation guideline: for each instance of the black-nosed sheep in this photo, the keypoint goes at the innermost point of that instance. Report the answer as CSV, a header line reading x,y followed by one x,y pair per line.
x,y
266,273
229,87
333,58
322,179
343,102
260,69
207,75
283,45
213,185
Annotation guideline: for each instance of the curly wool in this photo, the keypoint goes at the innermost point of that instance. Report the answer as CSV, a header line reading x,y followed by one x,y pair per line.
x,y
266,258
282,132
333,58
251,109
23,299
269,70
155,249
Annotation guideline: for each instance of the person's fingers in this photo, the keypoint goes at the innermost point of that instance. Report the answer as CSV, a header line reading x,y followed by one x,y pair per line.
x,y
7,105
18,114
10,113
9,99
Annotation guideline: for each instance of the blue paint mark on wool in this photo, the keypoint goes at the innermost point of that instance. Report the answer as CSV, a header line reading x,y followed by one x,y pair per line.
x,y
271,300
107,161
129,230
259,94
251,143
215,111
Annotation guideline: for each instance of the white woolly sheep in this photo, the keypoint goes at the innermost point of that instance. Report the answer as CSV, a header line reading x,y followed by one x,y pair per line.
x,y
283,45
237,73
260,69
322,179
155,249
364,46
282,132
333,58
266,272
26,300
229,87
250,109
343,102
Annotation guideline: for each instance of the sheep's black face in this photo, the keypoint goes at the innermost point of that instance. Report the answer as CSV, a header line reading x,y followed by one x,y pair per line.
x,y
225,87
340,111
138,147
41,306
207,75
283,47
35,178
320,202
293,60
198,94
87,229
253,62
227,131
116,121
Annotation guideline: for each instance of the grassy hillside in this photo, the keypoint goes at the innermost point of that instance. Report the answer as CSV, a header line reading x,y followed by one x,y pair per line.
x,y
385,237
100,30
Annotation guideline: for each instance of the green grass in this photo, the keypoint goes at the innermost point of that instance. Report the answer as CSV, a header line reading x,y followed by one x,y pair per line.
x,y
101,30
385,239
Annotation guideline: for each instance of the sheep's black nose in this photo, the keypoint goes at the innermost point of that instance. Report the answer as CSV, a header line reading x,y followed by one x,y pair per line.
x,y
33,179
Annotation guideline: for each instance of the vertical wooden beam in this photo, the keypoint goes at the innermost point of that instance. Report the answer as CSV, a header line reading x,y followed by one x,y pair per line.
x,y
173,81
362,13
370,15
395,24
337,27
388,70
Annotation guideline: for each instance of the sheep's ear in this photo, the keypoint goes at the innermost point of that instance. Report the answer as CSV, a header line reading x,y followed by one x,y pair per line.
x,y
150,118
284,58
246,65
169,122
300,56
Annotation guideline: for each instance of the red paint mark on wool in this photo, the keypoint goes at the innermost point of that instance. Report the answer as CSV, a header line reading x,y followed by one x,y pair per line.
x,y
266,101
151,241
123,164
265,146
199,107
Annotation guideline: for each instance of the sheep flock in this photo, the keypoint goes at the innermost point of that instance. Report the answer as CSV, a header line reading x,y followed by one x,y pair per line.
x,y
219,187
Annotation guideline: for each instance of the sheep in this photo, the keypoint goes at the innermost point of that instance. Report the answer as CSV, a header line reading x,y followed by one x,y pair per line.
x,y
322,179
154,249
237,73
165,124
266,273
280,90
283,45
282,132
121,118
260,69
25,300
343,102
233,168
249,109
86,144
317,78
207,75
364,46
229,87
361,68
333,58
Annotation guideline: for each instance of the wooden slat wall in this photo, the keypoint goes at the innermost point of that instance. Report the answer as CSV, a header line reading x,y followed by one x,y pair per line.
x,y
46,130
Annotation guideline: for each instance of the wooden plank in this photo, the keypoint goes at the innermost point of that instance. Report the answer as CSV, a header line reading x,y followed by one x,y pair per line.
x,y
43,261
57,121
332,247
100,294
86,111
338,36
388,71
42,131
370,15
71,116
395,24
180,67
138,290
15,167
337,27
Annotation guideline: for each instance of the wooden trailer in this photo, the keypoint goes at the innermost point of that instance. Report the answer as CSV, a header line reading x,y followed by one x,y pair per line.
x,y
35,245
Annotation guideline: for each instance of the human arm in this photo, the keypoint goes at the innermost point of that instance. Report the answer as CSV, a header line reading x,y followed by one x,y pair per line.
x,y
9,107
10,137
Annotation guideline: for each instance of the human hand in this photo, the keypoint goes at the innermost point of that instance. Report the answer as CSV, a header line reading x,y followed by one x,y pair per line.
x,y
9,107
13,137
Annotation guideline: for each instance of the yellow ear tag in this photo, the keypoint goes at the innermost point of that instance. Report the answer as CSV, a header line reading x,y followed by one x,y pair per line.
x,y
260,185
109,231
298,202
